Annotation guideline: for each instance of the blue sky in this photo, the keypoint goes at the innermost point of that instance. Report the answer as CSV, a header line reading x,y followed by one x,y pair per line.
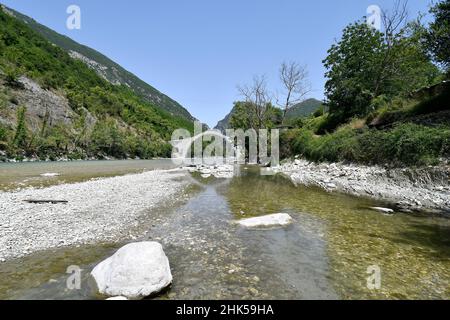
x,y
198,51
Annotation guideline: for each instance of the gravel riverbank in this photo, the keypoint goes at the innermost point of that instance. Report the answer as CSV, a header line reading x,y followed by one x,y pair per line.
x,y
102,210
421,189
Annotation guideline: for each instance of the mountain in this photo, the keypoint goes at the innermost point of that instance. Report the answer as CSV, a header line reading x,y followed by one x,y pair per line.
x,y
223,124
304,109
53,105
106,68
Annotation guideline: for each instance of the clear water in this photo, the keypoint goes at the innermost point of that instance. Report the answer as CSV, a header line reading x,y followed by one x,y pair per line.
x,y
26,174
323,255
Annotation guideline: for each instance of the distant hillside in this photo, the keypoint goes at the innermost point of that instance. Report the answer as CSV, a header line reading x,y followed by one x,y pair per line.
x,y
304,109
223,124
106,68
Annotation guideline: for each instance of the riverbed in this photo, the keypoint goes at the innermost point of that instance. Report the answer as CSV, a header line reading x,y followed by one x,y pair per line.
x,y
324,254
16,176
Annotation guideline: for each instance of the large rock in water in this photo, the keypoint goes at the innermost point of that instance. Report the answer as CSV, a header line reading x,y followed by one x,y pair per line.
x,y
136,270
271,220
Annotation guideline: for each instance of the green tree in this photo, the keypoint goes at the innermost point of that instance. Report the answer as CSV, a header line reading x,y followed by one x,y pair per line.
x,y
241,117
351,66
244,117
21,134
438,37
366,64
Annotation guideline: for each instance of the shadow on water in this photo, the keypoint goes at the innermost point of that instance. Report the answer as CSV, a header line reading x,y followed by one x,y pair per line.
x,y
411,250
434,238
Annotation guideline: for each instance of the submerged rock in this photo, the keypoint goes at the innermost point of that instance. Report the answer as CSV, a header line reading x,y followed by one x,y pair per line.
x,y
272,220
383,210
50,174
136,270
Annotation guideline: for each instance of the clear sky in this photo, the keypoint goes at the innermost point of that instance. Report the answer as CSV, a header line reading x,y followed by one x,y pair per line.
x,y
198,51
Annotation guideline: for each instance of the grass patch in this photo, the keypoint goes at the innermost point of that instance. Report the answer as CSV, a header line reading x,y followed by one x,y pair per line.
x,y
405,144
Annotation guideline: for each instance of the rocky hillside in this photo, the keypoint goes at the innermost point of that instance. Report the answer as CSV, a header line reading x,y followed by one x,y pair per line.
x,y
224,124
106,68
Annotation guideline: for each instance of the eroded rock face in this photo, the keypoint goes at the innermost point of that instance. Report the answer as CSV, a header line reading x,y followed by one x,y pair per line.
x,y
137,270
272,220
42,105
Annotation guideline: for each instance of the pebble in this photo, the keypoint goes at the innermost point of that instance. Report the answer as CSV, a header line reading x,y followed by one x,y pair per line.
x,y
99,210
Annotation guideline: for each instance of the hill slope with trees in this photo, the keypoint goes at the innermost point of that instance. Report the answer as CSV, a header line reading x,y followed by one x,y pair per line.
x,y
106,68
52,105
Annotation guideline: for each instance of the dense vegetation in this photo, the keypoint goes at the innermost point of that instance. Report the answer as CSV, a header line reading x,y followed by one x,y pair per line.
x,y
380,110
126,126
438,36
305,109
244,117
111,71
386,99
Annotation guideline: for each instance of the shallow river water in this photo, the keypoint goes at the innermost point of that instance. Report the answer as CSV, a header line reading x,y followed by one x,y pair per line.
x,y
324,254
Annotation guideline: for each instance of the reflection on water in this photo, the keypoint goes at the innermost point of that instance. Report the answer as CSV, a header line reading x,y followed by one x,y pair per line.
x,y
323,255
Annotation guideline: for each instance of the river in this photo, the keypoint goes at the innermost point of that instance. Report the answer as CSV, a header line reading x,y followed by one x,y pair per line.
x,y
324,254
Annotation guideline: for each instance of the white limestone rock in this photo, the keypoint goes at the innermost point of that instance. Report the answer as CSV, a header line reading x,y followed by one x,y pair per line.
x,y
382,210
136,270
50,174
117,298
271,220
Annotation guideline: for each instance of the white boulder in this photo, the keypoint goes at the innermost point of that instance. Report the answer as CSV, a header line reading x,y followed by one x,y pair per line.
x,y
117,298
136,270
383,210
50,174
271,220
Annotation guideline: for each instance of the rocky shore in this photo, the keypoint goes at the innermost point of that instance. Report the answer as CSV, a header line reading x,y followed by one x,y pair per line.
x,y
409,189
101,210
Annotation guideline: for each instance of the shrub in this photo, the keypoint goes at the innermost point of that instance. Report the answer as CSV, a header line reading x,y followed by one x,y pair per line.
x,y
12,75
21,135
319,112
405,144
3,134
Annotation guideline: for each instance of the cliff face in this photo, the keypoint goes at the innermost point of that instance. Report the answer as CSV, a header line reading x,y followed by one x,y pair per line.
x,y
41,105
224,124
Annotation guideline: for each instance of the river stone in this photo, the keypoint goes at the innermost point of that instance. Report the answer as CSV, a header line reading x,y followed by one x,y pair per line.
x,y
117,298
271,220
136,270
383,210
50,174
